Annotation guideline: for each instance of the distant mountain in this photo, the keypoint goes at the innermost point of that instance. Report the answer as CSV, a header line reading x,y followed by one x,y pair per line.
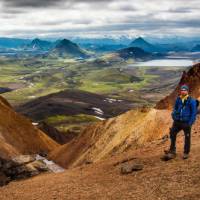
x,y
121,55
143,44
134,53
38,44
103,48
196,48
107,40
66,48
13,42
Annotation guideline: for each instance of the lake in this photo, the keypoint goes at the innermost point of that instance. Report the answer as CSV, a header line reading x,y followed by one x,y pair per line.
x,y
164,63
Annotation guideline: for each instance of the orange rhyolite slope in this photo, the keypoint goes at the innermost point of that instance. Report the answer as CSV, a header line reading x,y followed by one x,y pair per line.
x,y
19,136
115,135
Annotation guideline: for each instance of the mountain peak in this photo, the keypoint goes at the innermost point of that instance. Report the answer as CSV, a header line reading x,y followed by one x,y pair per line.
x,y
40,44
140,39
67,48
65,43
39,41
143,44
36,40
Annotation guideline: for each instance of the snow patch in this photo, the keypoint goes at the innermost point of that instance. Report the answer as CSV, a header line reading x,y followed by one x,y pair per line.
x,y
109,100
35,124
32,97
98,111
100,118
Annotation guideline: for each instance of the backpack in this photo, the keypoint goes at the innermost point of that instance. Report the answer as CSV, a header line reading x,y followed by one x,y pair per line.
x,y
197,103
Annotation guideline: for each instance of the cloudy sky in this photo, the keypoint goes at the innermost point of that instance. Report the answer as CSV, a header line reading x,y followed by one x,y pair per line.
x,y
66,18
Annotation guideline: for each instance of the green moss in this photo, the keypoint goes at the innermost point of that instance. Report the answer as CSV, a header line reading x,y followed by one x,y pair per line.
x,y
81,118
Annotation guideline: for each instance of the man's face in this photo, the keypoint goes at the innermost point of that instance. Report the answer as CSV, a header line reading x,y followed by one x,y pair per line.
x,y
184,92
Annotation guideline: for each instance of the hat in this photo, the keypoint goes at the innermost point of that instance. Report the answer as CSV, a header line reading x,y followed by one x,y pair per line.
x,y
184,87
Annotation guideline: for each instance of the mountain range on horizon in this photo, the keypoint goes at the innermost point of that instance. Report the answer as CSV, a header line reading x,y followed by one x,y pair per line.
x,y
106,44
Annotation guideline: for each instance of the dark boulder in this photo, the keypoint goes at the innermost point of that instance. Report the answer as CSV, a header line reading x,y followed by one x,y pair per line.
x,y
20,167
128,168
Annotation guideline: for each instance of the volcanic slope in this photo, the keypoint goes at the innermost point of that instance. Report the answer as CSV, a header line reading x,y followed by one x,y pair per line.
x,y
19,136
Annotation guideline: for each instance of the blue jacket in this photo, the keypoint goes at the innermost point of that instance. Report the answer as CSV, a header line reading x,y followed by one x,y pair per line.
x,y
185,113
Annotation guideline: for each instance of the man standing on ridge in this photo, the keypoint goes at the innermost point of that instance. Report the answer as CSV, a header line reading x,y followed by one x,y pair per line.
x,y
184,115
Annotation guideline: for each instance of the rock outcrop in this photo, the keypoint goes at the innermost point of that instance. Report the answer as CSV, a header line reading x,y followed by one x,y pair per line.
x,y
53,133
25,166
192,79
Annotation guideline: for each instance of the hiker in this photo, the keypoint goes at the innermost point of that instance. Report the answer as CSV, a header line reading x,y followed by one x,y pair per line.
x,y
184,116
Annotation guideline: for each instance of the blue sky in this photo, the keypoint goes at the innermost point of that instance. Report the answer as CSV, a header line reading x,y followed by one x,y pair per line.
x,y
89,18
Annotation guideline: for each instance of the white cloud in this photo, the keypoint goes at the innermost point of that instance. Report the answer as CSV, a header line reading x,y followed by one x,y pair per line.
x,y
69,18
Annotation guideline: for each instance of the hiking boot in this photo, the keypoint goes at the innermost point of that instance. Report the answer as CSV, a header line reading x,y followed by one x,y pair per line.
x,y
166,151
171,155
185,156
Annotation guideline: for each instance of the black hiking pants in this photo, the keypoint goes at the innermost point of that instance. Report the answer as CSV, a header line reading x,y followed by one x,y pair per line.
x,y
176,128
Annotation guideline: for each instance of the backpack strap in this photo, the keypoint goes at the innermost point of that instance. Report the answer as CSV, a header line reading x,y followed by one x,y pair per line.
x,y
197,103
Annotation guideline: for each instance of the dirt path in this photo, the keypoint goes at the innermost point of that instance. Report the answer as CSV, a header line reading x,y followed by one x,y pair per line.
x,y
173,180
